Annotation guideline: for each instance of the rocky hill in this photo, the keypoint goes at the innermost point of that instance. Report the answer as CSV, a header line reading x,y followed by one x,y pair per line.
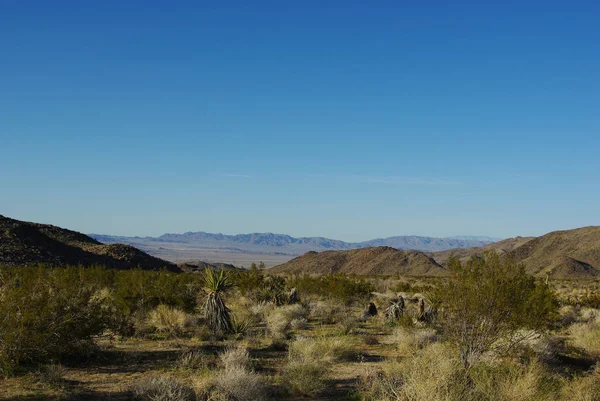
x,y
367,261
23,243
565,254
464,254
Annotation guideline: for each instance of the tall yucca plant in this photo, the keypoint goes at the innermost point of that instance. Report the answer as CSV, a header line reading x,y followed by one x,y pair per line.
x,y
216,284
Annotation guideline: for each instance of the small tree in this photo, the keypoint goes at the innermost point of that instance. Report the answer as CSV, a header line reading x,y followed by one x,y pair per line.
x,y
216,284
488,299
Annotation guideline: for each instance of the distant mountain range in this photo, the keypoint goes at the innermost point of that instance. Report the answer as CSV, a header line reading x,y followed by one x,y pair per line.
x,y
567,254
273,248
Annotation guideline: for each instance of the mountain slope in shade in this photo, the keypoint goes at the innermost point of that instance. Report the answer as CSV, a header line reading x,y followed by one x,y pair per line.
x,y
464,254
562,254
366,261
23,243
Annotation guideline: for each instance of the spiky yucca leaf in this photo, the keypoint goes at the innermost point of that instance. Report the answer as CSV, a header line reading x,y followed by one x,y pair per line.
x,y
217,280
239,326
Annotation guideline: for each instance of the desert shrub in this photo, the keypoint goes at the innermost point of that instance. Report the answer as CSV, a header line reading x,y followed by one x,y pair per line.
x,y
307,378
236,381
433,373
586,335
46,314
347,324
195,360
261,309
338,286
162,388
309,362
489,298
370,339
235,358
240,385
512,381
260,288
410,340
327,311
169,320
299,324
567,314
321,349
50,313
589,300
278,324
52,374
296,311
586,315
582,388
279,320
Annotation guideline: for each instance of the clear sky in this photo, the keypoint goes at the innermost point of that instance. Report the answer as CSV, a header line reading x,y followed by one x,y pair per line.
x,y
346,119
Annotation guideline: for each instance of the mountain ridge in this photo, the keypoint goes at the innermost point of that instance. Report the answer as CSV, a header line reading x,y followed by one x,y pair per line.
x,y
380,260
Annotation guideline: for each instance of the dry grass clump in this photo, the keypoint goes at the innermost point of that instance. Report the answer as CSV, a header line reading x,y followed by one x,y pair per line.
x,y
163,388
278,324
321,349
168,320
326,311
299,324
512,382
587,336
195,360
567,314
347,324
236,381
240,385
545,347
236,358
588,314
584,388
279,321
433,373
51,374
261,309
307,378
410,340
309,362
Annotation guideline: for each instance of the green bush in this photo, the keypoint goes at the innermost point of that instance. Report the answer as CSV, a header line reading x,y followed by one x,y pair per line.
x,y
45,314
489,299
53,313
347,289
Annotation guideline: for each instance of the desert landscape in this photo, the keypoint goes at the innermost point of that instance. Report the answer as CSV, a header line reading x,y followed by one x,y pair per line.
x,y
518,319
299,200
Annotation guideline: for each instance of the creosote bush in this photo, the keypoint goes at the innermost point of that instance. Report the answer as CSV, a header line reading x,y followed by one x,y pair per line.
x,y
338,286
489,298
46,314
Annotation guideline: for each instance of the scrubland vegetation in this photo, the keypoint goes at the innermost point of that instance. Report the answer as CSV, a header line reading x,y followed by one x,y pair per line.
x,y
487,332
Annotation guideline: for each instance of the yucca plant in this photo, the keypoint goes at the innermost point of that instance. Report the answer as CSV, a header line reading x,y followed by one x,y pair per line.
x,y
239,327
216,284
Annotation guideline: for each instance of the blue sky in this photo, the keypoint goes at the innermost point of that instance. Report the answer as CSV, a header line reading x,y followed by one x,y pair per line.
x,y
329,118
